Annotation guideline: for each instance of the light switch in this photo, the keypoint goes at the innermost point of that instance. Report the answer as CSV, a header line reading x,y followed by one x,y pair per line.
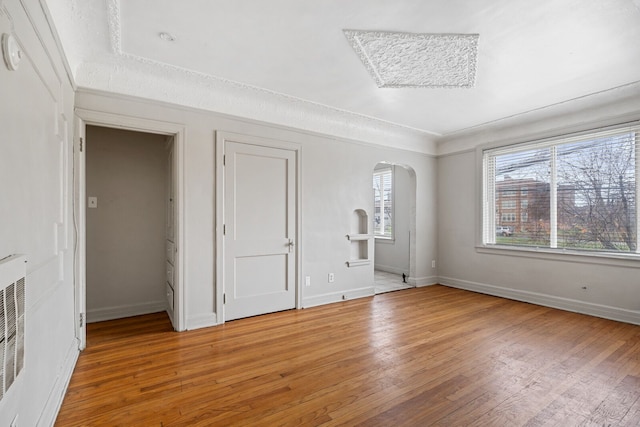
x,y
93,202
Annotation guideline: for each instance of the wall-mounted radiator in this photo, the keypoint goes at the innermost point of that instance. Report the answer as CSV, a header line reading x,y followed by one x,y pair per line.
x,y
12,293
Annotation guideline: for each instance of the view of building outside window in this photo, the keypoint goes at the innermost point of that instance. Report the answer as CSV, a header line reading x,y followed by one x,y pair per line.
x,y
592,204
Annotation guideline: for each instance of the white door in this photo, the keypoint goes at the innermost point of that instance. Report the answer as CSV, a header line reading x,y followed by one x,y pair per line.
x,y
259,229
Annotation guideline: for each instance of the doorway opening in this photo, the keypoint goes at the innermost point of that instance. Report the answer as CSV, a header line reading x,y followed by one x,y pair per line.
x,y
394,224
127,223
128,205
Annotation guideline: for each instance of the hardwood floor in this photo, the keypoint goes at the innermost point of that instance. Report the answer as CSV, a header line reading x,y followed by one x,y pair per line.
x,y
426,356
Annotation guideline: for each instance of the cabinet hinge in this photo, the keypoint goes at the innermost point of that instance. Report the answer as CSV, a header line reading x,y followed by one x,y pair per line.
x,y
224,229
81,143
81,320
224,298
224,160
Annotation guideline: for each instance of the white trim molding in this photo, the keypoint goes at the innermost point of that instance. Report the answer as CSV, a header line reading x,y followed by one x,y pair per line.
x,y
597,310
119,312
202,321
420,282
140,77
56,397
391,269
178,131
338,296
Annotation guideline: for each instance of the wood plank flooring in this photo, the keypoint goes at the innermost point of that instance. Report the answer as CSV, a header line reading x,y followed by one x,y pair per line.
x,y
427,356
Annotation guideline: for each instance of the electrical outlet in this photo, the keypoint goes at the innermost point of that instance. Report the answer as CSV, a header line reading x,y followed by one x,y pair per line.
x,y
307,281
93,202
332,277
433,264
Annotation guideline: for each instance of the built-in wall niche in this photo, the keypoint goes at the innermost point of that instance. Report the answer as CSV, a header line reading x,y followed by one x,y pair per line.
x,y
360,239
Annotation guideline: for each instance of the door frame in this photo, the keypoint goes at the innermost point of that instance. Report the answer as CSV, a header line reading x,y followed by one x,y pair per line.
x,y
83,118
221,138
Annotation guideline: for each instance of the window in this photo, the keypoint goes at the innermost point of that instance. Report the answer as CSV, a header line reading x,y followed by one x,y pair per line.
x,y
508,217
576,192
509,204
383,203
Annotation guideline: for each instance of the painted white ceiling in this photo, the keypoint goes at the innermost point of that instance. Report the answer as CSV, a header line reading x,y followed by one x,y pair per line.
x,y
531,54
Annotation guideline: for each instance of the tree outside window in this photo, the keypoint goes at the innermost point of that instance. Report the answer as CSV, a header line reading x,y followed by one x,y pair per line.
x,y
574,193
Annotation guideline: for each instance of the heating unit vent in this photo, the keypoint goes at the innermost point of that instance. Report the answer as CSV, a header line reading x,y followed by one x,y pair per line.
x,y
12,294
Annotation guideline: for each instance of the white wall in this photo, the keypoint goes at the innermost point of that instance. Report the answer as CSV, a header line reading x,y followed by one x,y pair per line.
x,y
127,172
36,115
613,285
393,255
36,112
336,180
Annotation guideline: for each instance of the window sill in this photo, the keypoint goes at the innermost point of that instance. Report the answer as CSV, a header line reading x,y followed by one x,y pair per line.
x,y
610,259
386,240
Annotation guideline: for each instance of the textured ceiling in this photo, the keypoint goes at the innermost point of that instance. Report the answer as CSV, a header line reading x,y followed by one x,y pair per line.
x,y
293,54
407,60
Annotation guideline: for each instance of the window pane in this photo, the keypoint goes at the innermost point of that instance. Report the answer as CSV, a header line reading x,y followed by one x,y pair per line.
x,y
522,198
596,194
383,203
576,193
377,205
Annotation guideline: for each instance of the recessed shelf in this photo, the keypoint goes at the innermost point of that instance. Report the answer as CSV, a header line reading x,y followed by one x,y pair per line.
x,y
358,262
355,237
360,239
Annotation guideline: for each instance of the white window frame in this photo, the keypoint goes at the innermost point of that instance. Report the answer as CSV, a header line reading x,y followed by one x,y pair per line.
x,y
486,239
391,236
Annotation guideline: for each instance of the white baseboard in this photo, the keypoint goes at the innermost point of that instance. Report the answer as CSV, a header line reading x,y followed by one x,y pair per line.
x,y
597,310
415,281
419,282
338,296
110,313
391,269
202,321
54,402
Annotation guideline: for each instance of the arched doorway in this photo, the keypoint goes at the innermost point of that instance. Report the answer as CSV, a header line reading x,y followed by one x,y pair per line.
x,y
394,226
